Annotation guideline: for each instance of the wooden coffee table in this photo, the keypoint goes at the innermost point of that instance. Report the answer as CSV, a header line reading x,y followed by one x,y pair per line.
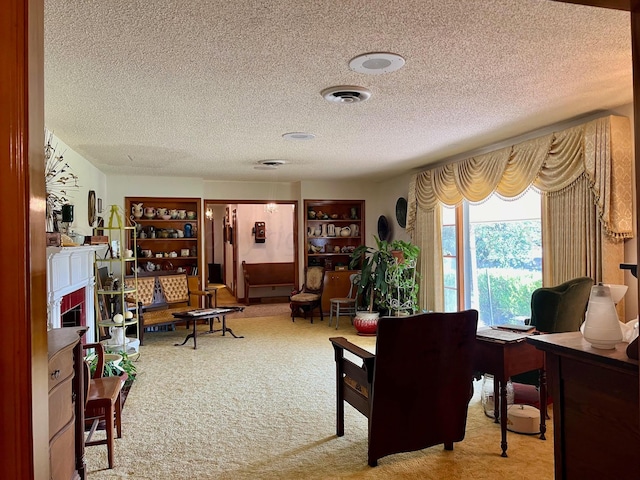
x,y
208,314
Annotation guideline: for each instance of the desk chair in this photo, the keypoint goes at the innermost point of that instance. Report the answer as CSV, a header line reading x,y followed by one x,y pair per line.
x,y
103,402
345,305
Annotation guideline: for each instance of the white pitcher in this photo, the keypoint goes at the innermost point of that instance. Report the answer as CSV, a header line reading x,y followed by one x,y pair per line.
x,y
137,210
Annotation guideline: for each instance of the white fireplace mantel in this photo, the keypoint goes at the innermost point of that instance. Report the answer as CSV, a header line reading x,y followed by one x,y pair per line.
x,y
70,269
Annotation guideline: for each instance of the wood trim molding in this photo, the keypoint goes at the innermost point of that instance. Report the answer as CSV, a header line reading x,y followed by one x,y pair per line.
x,y
23,343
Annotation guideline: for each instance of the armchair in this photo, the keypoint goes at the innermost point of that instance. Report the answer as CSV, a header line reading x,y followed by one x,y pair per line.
x,y
310,295
415,390
553,310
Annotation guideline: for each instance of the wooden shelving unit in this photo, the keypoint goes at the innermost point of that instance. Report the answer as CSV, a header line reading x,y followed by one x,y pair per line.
x,y
326,244
333,229
167,245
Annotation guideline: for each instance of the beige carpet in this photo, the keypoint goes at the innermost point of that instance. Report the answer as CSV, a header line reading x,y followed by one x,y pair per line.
x,y
267,309
263,407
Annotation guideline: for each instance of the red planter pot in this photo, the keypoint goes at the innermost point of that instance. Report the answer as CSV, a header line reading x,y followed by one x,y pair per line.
x,y
366,323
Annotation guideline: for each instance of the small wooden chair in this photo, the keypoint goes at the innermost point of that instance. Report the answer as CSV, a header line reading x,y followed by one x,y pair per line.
x,y
103,402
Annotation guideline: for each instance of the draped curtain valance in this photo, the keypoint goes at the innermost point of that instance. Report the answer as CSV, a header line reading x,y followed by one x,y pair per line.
x,y
599,150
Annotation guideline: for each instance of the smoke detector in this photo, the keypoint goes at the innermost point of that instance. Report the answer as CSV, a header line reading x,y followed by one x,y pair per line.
x,y
269,164
345,94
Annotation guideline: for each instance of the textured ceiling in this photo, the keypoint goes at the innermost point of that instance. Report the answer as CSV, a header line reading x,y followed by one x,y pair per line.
x,y
207,88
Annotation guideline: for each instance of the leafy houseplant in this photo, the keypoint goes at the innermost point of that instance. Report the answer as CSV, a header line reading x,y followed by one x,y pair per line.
x,y
401,278
388,275
372,262
113,367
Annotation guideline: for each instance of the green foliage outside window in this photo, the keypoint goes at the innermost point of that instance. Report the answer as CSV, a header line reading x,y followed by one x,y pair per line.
x,y
505,294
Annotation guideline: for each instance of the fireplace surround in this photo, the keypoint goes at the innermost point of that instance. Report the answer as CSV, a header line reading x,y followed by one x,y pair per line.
x,y
71,287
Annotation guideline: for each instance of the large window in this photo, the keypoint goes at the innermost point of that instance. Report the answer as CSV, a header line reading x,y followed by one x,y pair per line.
x,y
493,257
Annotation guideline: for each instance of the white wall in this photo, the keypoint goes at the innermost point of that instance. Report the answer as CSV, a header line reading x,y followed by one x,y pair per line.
x,y
278,247
89,178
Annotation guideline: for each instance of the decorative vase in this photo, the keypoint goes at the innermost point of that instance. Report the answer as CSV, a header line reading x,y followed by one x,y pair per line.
x,y
366,322
601,326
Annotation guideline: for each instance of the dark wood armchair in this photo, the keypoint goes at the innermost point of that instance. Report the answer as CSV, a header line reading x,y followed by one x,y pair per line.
x,y
416,389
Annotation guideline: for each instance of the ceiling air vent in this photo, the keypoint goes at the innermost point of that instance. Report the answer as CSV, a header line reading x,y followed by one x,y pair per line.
x,y
345,94
269,164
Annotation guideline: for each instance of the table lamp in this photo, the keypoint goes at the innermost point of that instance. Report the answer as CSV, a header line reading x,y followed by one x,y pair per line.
x,y
601,326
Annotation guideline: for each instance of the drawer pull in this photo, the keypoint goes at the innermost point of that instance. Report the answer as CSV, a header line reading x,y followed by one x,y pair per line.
x,y
55,375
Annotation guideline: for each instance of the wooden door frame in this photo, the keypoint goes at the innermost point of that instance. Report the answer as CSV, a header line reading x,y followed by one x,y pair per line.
x,y
295,204
24,412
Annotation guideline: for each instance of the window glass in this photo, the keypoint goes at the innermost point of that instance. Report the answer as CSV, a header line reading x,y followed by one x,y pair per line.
x,y
503,262
450,259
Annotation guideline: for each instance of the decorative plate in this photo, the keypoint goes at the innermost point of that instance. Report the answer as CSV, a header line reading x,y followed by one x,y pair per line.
x,y
383,228
401,212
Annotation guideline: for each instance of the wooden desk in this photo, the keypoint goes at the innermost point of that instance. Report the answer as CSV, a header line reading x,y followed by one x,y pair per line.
x,y
503,359
595,408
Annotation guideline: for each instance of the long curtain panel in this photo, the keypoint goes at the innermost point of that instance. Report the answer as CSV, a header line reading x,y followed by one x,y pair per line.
x,y
584,174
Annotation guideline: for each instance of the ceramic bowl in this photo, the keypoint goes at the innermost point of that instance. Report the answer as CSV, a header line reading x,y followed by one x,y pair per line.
x,y
166,217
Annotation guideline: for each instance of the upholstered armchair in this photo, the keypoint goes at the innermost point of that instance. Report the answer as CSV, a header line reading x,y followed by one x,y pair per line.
x,y
553,310
415,390
310,296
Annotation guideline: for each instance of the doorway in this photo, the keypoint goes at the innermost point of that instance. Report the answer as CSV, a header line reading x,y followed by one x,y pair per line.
x,y
230,238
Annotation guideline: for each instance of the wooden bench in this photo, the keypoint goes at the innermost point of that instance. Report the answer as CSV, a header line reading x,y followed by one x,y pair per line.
x,y
257,275
159,297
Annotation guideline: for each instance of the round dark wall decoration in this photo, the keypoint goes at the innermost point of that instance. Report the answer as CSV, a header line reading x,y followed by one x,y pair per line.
x,y
91,207
401,212
383,228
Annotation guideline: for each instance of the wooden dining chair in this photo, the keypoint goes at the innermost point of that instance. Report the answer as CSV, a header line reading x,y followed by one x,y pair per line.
x,y
103,403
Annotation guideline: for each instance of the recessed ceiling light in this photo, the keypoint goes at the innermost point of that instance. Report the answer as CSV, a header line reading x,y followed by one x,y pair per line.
x,y
376,63
298,136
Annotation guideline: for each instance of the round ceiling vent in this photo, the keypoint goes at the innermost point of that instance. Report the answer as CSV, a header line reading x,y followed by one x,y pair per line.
x,y
345,94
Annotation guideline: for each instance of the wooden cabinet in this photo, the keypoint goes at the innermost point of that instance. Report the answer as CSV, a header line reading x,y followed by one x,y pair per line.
x,y
333,229
167,231
595,407
336,284
66,403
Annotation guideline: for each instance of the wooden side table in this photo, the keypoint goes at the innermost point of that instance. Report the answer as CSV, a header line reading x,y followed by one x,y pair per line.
x,y
504,354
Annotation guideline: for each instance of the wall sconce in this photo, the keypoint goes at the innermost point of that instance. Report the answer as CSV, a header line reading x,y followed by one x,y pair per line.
x,y
209,213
